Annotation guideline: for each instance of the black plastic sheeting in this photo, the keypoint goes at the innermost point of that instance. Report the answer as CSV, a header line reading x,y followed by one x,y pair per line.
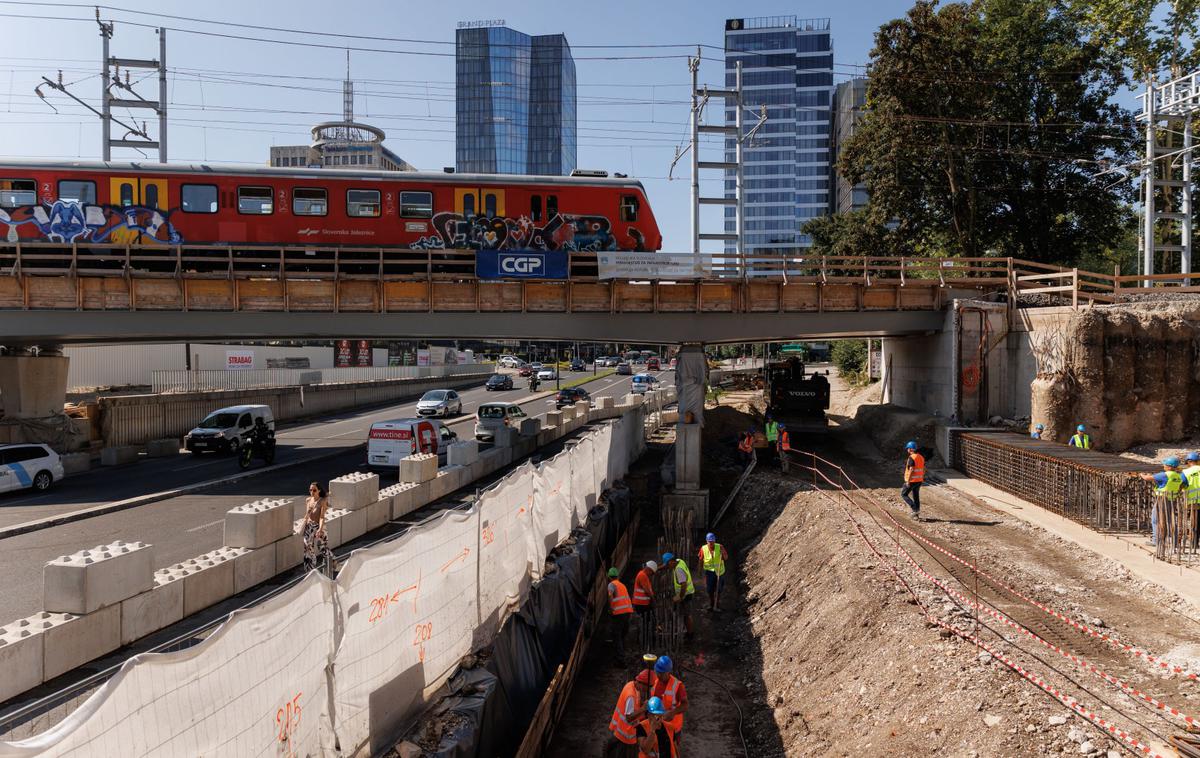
x,y
491,707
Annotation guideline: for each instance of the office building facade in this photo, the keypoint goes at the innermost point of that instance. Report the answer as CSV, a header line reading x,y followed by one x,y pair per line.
x,y
515,106
850,100
787,66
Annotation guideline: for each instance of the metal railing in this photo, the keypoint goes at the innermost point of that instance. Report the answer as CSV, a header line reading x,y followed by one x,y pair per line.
x,y
179,380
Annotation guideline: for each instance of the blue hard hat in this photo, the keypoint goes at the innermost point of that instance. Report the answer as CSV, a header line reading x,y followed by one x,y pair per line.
x,y
1193,456
1039,427
1079,428
1172,461
662,665
654,705
668,557
911,445
710,537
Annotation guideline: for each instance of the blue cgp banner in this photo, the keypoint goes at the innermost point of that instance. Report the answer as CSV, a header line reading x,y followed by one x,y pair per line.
x,y
521,264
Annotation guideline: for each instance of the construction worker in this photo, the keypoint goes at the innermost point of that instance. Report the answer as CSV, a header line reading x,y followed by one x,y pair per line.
x,y
746,448
643,588
673,694
685,590
785,447
629,711
621,608
1167,484
711,560
1080,439
1192,483
654,737
914,476
772,433
1037,431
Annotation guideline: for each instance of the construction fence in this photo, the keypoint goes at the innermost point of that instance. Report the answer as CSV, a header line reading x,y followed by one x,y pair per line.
x,y
343,667
178,380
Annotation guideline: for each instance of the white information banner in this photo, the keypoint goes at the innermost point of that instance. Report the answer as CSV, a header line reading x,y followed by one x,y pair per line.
x,y
239,360
670,266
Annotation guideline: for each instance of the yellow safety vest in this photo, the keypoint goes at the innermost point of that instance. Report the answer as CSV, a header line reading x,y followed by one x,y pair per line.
x,y
1193,483
1173,486
772,431
1081,441
713,560
691,588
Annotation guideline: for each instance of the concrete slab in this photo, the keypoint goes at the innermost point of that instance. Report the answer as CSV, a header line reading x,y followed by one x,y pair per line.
x,y
157,608
22,646
86,581
259,523
72,640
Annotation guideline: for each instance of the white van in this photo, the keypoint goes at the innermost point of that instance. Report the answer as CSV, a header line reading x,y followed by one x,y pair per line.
x,y
492,416
224,430
389,441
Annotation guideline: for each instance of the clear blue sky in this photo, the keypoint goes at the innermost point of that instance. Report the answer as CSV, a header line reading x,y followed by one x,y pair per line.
x,y
232,99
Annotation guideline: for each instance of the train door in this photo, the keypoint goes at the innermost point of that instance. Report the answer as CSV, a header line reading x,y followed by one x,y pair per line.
x,y
138,199
472,202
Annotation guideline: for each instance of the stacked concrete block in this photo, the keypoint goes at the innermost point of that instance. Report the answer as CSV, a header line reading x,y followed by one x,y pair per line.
x,y
605,402
164,448
259,523
251,566
583,409
530,427
207,579
505,436
421,467
157,608
401,497
568,413
333,526
119,455
76,463
378,513
450,479
553,419
289,552
353,491
71,640
351,524
462,453
92,579
495,458
633,400
22,647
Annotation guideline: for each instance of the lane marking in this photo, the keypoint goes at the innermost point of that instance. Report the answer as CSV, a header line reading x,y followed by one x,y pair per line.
x,y
206,526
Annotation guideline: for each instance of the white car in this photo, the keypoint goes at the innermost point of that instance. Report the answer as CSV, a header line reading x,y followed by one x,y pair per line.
x,y
28,466
643,383
547,374
439,403
510,361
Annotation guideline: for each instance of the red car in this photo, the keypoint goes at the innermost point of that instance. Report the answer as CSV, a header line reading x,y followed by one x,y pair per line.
x,y
653,365
526,370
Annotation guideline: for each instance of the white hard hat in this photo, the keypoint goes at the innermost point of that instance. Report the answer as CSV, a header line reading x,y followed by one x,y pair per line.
x,y
652,565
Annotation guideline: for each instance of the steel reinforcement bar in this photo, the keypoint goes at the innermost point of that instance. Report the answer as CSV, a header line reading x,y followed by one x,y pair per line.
x,y
1104,500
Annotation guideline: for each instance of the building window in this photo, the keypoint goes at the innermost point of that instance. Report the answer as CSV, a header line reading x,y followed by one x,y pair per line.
x,y
255,201
416,204
17,192
362,203
77,192
309,202
198,198
535,208
629,207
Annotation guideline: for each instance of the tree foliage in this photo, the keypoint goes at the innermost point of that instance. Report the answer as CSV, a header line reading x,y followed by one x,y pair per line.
x,y
986,130
850,356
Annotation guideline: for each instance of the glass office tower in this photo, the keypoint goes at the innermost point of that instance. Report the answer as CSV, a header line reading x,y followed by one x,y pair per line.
x,y
515,103
787,65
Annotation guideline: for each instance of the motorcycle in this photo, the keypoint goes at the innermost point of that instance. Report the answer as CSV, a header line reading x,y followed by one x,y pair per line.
x,y
533,383
261,448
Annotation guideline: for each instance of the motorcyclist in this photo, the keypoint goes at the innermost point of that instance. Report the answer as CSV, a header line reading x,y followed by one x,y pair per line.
x,y
533,382
260,441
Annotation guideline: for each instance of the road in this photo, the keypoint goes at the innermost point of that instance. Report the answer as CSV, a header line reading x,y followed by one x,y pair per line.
x,y
185,526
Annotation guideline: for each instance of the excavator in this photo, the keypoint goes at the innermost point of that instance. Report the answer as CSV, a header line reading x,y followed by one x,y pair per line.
x,y
796,398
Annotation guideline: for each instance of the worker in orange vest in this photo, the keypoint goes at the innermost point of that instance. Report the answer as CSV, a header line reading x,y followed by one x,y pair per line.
x,y
673,694
746,448
643,588
785,447
629,711
621,607
914,475
656,738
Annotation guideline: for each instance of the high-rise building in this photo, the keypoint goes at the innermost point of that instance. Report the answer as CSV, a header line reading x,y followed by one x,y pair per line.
x,y
514,102
849,101
787,65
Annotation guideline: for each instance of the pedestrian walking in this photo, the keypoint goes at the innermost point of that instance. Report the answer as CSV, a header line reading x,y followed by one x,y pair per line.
x,y
1167,485
316,544
655,737
621,607
711,561
629,711
673,694
1037,431
1081,439
914,476
685,590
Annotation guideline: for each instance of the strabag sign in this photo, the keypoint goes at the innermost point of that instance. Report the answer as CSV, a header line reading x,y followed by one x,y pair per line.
x,y
521,264
662,266
239,360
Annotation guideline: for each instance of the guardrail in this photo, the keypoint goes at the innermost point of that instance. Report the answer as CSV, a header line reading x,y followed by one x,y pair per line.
x,y
181,380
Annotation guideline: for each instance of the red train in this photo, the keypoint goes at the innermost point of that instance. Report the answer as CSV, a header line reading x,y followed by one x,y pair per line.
x,y
135,203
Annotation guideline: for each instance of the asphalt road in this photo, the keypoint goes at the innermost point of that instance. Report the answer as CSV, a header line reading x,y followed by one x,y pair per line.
x,y
185,526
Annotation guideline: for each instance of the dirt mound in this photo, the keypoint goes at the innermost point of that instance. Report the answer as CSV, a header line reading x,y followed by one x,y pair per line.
x,y
891,426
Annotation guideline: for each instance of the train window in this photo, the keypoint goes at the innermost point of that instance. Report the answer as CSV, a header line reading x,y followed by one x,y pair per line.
x,y
551,206
362,203
629,207
125,195
489,205
83,193
198,198
17,192
150,195
469,205
535,208
416,204
309,202
255,201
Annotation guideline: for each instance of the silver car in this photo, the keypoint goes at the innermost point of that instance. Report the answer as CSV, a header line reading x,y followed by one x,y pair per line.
x,y
439,403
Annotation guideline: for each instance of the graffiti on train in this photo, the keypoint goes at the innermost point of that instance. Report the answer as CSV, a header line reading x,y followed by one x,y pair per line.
x,y
64,221
561,232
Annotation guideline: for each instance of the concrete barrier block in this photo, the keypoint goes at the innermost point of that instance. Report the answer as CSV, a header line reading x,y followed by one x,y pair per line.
x,y
476,471
354,525
583,408
525,446
333,526
400,496
353,491
207,580
633,400
251,567
164,448
421,467
553,419
76,463
462,453
91,579
154,609
21,657
605,402
568,413
506,436
448,480
493,459
72,640
257,524
289,552
378,513
530,427
119,455
546,436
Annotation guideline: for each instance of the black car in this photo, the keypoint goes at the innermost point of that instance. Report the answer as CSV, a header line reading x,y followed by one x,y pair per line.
x,y
499,382
577,364
570,396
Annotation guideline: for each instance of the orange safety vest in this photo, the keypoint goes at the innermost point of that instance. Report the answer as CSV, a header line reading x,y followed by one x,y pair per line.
x,y
670,738
669,694
618,598
618,725
746,444
643,590
917,472
784,443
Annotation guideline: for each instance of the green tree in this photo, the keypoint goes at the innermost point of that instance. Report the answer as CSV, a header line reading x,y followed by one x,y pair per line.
x,y
986,127
850,357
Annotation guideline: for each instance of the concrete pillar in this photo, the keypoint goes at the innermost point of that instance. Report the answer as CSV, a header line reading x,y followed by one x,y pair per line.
x,y
33,386
691,378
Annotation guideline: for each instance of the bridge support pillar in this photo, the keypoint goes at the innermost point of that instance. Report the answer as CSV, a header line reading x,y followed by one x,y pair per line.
x,y
691,379
33,389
